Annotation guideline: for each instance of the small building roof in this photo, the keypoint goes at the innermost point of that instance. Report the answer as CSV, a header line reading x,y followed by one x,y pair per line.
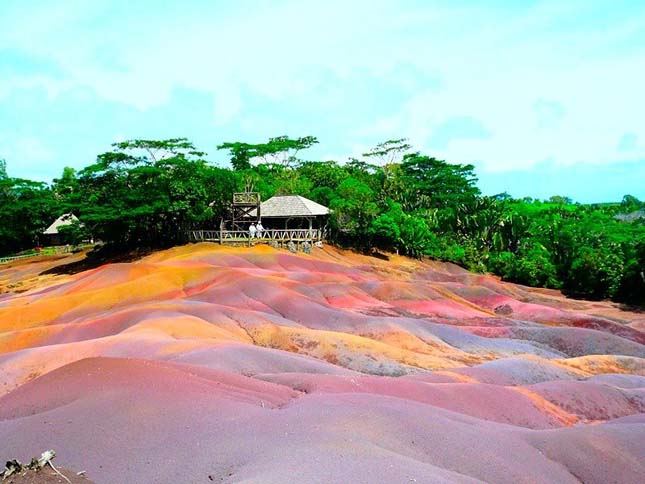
x,y
631,217
291,206
63,220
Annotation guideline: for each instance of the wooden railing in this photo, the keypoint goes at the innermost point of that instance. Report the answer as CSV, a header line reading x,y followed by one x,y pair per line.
x,y
54,250
246,198
4,260
269,235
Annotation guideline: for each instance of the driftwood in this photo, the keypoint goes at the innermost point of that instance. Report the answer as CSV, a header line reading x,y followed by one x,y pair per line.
x,y
14,467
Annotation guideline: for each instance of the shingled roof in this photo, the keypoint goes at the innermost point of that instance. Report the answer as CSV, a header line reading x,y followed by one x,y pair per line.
x,y
63,220
291,206
631,217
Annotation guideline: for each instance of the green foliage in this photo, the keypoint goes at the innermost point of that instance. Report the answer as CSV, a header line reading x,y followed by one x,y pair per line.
x,y
322,195
385,233
389,152
354,208
26,209
322,173
240,153
415,236
594,272
281,150
445,184
67,185
630,204
534,268
157,150
74,233
632,287
560,200
150,192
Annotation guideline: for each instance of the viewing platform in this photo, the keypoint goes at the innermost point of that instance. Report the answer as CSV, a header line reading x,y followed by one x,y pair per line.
x,y
269,236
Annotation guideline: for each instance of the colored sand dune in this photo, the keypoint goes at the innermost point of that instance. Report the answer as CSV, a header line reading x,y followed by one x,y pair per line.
x,y
203,363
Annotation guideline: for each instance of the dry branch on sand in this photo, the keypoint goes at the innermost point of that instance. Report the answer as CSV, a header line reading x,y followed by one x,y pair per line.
x,y
34,473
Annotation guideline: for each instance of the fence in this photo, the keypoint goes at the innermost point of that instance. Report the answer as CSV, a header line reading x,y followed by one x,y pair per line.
x,y
54,250
269,235
5,260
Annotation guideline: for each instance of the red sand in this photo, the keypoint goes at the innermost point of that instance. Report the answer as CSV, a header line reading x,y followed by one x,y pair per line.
x,y
203,363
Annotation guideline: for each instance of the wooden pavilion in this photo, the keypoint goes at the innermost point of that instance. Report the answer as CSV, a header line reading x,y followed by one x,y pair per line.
x,y
285,218
292,212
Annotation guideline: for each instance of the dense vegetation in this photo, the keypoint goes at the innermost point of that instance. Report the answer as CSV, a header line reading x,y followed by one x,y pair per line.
x,y
149,193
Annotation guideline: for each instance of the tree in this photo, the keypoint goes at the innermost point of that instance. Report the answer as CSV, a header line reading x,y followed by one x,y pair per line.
x,y
354,209
595,273
535,268
384,232
445,184
415,236
560,200
281,150
74,233
288,182
478,220
632,286
630,203
322,173
388,155
157,150
240,153
66,186
389,152
26,209
151,192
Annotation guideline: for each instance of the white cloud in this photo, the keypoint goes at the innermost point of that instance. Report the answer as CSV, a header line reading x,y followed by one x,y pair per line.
x,y
26,154
498,83
494,66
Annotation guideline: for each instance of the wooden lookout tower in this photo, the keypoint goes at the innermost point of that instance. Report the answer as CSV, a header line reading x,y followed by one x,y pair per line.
x,y
245,210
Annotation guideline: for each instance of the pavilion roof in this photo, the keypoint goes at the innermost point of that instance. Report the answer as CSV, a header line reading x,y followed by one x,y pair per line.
x,y
291,206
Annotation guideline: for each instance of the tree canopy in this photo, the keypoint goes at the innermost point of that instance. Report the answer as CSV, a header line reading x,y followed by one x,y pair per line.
x,y
151,192
281,150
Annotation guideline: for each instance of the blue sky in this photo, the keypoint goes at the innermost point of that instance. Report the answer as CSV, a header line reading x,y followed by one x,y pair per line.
x,y
542,97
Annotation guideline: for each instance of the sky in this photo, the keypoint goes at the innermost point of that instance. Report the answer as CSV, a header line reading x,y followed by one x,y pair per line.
x,y
542,97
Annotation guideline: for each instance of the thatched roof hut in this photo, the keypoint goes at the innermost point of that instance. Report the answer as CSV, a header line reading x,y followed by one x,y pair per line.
x,y
52,234
292,211
63,220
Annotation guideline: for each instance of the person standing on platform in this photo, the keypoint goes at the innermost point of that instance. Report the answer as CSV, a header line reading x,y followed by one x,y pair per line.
x,y
252,230
260,229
